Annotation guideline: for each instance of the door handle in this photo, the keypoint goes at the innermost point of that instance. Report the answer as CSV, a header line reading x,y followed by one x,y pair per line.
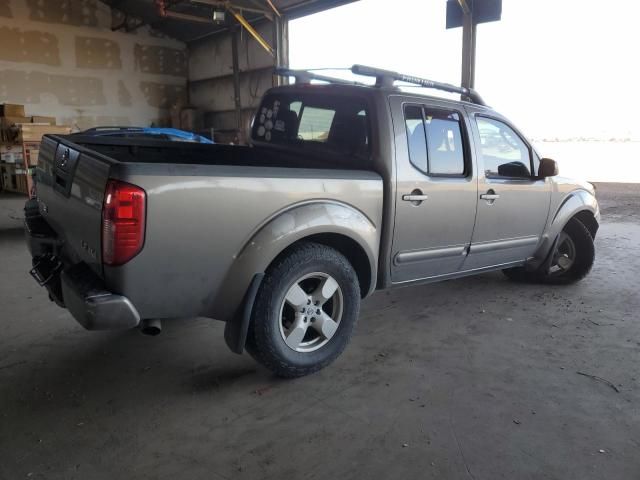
x,y
414,197
491,196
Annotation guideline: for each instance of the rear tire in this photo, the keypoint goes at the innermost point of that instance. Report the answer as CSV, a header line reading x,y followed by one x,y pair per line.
x,y
305,311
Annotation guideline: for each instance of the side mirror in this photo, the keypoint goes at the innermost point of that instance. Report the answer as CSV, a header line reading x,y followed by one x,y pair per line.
x,y
513,170
547,168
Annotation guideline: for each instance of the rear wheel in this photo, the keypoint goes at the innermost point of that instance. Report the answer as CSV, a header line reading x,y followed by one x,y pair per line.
x,y
305,311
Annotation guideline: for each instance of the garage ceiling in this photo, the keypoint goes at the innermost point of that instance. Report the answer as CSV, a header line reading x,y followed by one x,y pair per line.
x,y
145,12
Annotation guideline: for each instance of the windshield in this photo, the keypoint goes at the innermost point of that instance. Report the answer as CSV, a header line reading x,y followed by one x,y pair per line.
x,y
322,122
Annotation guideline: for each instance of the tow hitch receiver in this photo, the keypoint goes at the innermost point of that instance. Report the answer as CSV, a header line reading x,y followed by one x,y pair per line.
x,y
45,269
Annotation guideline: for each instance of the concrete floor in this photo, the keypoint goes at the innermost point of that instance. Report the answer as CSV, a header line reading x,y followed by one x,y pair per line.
x,y
467,379
11,211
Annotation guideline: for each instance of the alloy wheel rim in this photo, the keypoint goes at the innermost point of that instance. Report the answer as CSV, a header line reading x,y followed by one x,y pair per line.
x,y
310,312
564,255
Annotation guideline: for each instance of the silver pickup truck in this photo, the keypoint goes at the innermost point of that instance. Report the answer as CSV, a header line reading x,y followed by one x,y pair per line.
x,y
344,189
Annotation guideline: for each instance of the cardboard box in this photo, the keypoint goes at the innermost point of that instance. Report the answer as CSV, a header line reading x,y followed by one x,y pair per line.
x,y
21,183
34,133
15,180
7,180
32,150
6,122
11,154
12,110
191,119
45,120
8,136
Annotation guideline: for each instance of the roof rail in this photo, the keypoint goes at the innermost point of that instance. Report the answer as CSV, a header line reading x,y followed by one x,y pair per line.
x,y
304,76
385,78
114,128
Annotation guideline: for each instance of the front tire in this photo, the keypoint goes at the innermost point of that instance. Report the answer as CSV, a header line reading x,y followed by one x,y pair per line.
x,y
305,311
572,258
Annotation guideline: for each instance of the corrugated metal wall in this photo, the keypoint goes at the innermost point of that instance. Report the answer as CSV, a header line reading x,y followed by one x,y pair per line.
x,y
211,79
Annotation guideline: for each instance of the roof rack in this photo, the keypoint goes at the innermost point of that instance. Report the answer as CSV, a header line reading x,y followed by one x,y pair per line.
x,y
304,76
110,128
385,78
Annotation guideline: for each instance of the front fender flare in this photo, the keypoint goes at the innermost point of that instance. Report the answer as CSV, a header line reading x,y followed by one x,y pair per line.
x,y
573,203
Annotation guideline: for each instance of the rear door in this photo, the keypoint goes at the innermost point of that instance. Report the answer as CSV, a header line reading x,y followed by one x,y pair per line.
x,y
513,205
436,190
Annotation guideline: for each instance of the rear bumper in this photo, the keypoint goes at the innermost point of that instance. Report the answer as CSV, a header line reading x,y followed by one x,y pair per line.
x,y
94,307
75,287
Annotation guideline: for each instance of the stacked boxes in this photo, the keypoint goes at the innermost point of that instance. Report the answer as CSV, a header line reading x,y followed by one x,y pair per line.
x,y
33,133
11,110
20,138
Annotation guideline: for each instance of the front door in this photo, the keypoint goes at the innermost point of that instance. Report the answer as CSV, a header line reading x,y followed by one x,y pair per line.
x,y
436,190
513,205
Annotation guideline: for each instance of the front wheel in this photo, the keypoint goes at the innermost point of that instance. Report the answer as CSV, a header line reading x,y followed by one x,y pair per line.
x,y
571,261
573,255
305,311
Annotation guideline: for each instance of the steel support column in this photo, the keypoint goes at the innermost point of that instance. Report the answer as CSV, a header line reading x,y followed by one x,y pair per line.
x,y
468,50
236,84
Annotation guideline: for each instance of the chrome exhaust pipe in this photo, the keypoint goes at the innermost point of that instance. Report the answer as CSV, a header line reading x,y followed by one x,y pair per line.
x,y
151,326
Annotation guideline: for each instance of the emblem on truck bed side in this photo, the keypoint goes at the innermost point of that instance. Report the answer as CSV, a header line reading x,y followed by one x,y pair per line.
x,y
90,250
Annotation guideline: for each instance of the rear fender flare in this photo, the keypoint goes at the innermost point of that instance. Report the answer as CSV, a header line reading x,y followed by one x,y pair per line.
x,y
284,229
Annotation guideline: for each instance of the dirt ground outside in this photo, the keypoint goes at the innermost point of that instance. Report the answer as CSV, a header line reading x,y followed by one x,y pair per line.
x,y
478,378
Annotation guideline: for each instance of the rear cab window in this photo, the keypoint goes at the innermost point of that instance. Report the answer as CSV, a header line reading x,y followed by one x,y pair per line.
x,y
315,122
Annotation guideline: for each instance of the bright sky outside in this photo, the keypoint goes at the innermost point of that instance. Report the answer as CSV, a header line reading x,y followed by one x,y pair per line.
x,y
557,68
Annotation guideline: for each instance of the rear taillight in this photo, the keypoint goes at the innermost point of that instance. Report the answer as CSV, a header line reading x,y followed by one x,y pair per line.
x,y
123,222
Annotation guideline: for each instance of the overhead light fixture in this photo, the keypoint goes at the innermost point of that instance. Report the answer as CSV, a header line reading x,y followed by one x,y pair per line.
x,y
219,16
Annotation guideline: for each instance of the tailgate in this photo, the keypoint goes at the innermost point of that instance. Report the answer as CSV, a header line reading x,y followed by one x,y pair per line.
x,y
70,183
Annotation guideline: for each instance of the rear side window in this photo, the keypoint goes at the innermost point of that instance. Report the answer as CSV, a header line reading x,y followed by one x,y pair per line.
x,y
417,137
435,140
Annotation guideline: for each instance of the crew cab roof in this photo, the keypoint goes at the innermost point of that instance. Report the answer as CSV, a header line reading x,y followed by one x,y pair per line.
x,y
371,91
385,82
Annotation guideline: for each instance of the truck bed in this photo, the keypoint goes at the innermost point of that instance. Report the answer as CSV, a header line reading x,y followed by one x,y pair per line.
x,y
158,151
204,204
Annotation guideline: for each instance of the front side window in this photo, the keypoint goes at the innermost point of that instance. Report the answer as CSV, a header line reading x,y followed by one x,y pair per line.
x,y
504,153
317,122
435,140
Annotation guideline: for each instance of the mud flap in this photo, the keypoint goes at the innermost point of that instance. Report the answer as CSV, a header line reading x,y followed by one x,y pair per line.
x,y
546,264
235,331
